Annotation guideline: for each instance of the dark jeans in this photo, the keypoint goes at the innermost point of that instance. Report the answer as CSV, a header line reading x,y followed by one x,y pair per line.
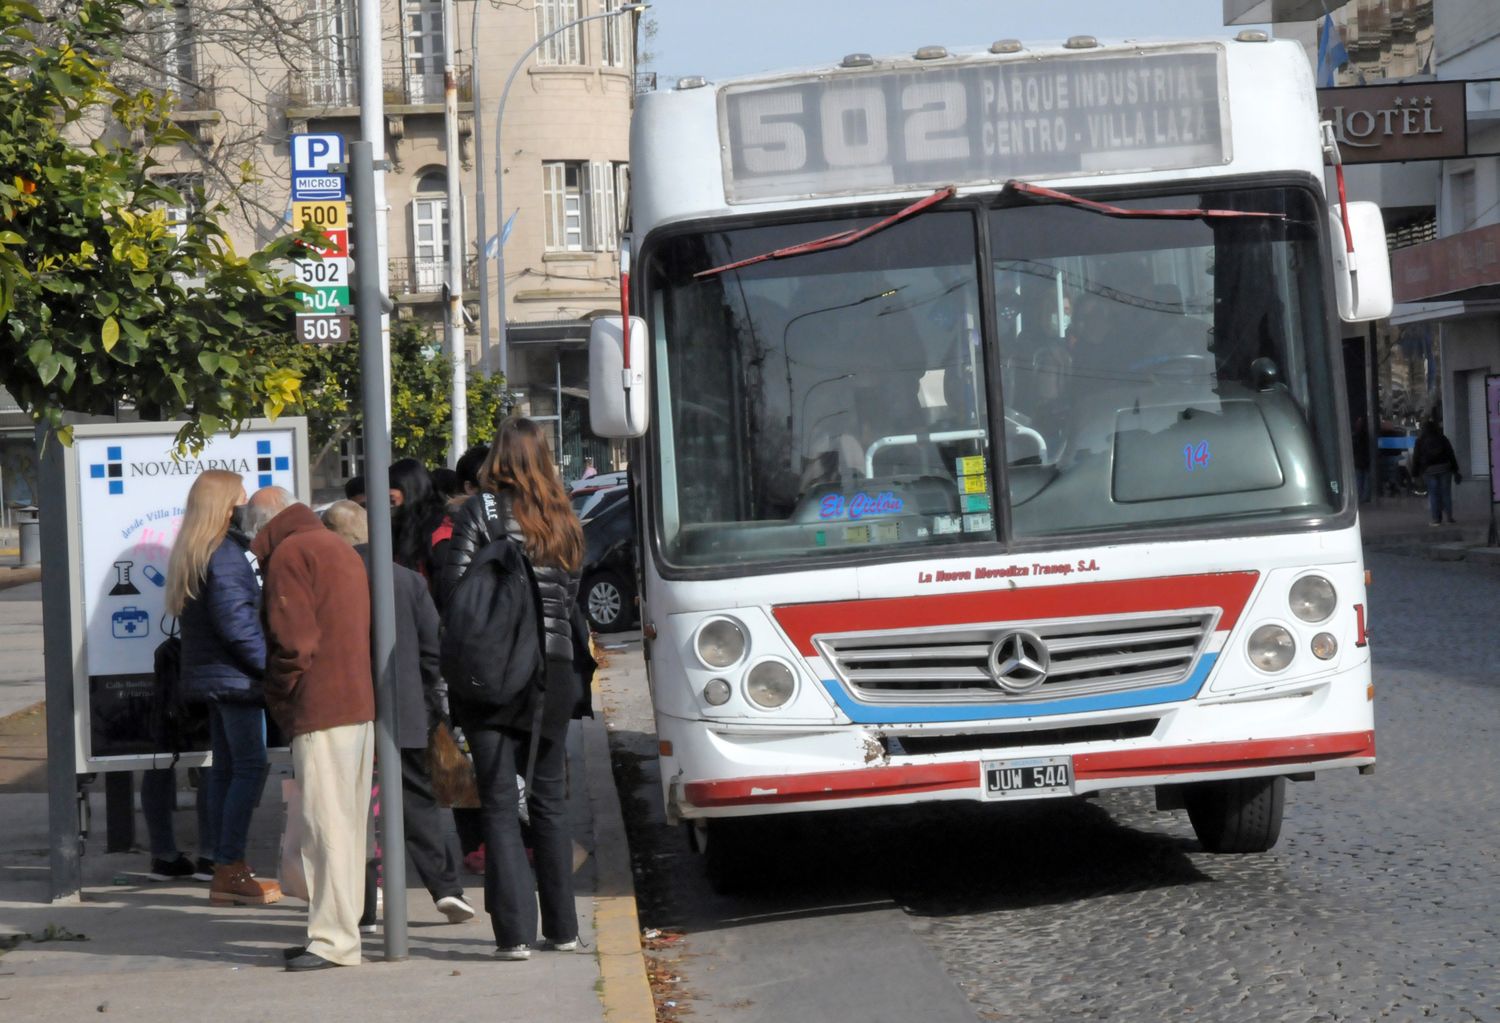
x,y
237,736
158,800
500,755
1440,496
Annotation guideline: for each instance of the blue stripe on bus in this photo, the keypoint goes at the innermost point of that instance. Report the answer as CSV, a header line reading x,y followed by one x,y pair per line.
x,y
900,713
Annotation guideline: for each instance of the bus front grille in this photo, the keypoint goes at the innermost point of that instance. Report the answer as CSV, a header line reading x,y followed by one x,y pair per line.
x,y
971,663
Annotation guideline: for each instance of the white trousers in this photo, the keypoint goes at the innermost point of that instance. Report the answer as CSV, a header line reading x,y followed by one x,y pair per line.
x,y
333,767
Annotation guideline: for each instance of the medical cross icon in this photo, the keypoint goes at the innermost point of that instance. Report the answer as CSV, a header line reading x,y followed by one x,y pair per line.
x,y
112,469
265,464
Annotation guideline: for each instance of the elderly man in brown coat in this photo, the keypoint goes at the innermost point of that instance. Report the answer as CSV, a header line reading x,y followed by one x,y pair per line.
x,y
318,687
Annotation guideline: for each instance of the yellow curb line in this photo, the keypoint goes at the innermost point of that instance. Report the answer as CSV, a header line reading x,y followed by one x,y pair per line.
x,y
617,926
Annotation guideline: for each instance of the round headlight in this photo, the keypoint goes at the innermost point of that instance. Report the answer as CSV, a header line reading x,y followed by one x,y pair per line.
x,y
721,643
1271,648
770,684
716,693
1313,598
1324,646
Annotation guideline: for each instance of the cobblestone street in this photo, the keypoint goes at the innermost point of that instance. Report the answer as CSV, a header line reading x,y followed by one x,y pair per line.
x,y
1378,902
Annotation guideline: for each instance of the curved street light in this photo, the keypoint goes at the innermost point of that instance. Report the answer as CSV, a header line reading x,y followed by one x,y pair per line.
x,y
484,286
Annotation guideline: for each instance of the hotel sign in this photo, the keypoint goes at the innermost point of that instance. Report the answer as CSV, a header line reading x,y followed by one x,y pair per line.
x,y
1392,123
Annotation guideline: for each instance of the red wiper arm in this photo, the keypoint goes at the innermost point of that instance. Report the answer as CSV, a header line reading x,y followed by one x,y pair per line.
x,y
840,240
1039,192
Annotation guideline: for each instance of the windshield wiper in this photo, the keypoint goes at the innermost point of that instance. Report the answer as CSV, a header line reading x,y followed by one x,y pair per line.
x,y
1109,210
839,240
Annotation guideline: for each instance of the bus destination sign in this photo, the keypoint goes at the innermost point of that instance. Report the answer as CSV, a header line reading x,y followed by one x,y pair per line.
x,y
895,129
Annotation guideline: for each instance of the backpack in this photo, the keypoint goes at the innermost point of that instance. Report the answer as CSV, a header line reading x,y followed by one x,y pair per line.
x,y
493,647
176,723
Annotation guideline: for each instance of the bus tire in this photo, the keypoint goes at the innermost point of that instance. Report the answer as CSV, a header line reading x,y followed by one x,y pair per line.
x,y
726,854
1241,815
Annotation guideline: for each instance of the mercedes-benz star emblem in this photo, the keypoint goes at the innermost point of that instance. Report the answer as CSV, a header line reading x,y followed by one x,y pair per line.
x,y
1019,661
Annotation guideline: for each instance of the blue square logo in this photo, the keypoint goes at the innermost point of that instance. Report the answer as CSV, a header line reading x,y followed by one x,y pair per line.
x,y
283,464
116,487
113,454
262,447
266,480
96,472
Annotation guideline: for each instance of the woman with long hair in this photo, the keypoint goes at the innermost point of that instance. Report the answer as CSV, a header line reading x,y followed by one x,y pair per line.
x,y
213,588
417,509
533,510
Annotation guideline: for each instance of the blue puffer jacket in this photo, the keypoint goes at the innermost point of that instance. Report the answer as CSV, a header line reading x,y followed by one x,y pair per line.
x,y
223,646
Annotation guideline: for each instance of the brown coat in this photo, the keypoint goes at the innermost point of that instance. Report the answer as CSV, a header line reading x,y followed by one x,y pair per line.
x,y
317,613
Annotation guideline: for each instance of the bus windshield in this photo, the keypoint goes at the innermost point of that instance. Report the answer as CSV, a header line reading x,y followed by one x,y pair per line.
x,y
1151,373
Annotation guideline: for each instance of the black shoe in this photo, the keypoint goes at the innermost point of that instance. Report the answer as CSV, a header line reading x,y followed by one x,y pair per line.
x,y
171,870
292,952
204,869
307,962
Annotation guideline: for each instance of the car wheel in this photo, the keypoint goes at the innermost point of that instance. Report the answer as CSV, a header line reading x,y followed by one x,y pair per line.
x,y
606,601
1242,815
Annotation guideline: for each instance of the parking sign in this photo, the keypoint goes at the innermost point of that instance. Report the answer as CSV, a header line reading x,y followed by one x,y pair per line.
x,y
316,153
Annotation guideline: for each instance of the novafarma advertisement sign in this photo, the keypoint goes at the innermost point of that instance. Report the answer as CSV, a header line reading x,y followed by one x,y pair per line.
x,y
127,490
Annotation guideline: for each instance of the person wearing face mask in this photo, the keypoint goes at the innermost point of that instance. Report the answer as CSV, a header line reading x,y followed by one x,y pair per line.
x,y
213,587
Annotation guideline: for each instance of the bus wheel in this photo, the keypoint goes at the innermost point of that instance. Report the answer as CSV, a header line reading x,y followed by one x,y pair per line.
x,y
726,854
1241,815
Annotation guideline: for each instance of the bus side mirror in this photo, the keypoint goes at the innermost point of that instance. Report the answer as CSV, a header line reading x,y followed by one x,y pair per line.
x,y
617,396
1362,279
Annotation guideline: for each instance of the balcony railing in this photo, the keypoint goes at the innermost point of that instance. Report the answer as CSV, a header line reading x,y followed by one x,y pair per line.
x,y
415,275
401,88
645,81
194,96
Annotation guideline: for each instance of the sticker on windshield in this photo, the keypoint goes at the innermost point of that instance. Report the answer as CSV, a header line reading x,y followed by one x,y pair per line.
x,y
945,524
978,523
976,502
969,465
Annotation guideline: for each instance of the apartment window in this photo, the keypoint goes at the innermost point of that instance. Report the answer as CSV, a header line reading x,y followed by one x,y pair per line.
x,y
615,35
334,75
424,51
173,44
567,46
351,455
584,204
429,231
190,188
1461,195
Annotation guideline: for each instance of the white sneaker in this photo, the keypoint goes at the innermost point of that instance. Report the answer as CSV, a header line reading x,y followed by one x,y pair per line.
x,y
513,953
368,928
455,908
571,945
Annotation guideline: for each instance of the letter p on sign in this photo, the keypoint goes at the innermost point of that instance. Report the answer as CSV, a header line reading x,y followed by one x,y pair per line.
x,y
316,153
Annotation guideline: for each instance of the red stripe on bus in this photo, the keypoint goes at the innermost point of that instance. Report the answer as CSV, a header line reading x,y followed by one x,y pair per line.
x,y
1223,756
916,779
1228,591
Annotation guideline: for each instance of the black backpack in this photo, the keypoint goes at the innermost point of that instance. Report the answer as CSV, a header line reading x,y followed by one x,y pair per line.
x,y
493,647
177,724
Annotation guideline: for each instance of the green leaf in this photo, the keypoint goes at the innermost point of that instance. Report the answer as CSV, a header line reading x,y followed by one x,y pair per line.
x,y
11,238
110,333
48,369
210,424
106,302
209,361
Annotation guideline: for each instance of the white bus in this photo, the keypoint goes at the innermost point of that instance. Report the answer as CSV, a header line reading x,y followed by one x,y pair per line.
x,y
992,432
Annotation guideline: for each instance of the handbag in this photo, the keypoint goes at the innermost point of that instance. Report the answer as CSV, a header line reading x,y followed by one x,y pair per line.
x,y
451,771
291,875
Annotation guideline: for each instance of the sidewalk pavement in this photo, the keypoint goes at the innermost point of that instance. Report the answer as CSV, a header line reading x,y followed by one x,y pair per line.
x,y
133,949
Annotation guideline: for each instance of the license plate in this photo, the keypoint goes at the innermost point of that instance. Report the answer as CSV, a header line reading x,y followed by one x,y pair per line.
x,y
1027,779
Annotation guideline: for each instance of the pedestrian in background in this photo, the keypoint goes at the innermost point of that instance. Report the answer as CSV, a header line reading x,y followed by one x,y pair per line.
x,y
1432,457
354,490
214,590
318,687
419,707
535,513
158,801
416,511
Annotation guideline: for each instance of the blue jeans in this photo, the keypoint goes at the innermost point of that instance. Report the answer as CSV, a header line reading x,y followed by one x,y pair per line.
x,y
1440,495
158,800
237,733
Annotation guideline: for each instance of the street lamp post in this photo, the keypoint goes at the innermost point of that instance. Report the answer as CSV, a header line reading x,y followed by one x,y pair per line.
x,y
500,173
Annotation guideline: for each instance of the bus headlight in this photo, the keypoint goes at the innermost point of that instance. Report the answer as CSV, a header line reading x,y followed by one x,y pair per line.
x,y
770,684
1271,648
716,693
1324,646
1313,598
721,642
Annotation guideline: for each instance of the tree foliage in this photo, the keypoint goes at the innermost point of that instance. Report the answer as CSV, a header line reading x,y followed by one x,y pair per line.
x,y
421,395
103,300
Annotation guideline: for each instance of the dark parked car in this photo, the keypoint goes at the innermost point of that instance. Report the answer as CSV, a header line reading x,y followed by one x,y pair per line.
x,y
607,593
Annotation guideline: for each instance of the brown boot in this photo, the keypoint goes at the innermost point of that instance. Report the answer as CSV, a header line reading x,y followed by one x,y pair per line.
x,y
233,885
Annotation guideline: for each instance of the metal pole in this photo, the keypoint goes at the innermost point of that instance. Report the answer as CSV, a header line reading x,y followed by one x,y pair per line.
x,y
500,168
372,130
454,334
369,308
481,198
64,827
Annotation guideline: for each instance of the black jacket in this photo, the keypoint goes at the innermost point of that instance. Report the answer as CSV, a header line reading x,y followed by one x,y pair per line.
x,y
558,586
223,646
1433,454
419,680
